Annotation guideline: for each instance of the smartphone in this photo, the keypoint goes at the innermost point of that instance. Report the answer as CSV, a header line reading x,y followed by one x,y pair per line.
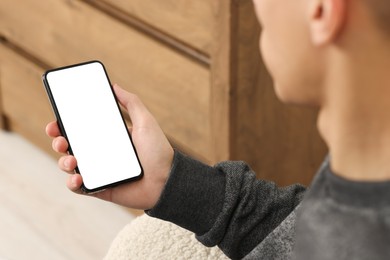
x,y
89,117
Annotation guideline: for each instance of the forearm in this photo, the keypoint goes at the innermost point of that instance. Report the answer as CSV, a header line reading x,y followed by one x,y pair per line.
x,y
224,205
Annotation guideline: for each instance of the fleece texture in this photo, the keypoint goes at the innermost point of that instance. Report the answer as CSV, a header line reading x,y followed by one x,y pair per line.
x,y
150,238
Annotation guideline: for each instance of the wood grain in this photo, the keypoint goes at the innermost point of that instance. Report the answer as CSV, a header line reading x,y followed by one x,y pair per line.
x,y
170,41
24,99
1,108
188,21
222,98
174,88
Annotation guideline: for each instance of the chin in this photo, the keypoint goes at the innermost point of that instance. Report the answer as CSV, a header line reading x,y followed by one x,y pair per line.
x,y
295,96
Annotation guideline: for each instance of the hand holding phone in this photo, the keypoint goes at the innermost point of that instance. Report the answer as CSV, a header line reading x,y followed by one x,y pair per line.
x,y
153,148
90,119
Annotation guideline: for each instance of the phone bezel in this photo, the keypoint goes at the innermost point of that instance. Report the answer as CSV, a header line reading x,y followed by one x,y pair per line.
x,y
63,131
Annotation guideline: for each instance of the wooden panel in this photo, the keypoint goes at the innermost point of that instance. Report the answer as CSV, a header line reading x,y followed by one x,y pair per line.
x,y
62,32
221,83
1,109
24,99
189,21
284,139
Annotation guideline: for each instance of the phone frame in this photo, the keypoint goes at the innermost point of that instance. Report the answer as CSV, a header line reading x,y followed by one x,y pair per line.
x,y
63,131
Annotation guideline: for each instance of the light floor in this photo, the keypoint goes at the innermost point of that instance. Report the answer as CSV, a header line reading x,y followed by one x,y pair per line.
x,y
40,218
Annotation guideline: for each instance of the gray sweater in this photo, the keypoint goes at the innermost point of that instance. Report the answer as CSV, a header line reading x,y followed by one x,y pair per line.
x,y
248,218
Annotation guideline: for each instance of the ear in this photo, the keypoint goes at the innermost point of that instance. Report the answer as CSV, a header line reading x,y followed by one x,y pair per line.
x,y
327,18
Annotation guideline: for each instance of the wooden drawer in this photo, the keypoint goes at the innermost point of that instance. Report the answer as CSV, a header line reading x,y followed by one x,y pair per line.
x,y
176,89
25,103
188,21
194,63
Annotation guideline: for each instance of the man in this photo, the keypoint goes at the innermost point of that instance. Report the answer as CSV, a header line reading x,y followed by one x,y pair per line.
x,y
330,54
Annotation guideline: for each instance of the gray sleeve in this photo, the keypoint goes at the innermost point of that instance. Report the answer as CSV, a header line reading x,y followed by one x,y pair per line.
x,y
224,205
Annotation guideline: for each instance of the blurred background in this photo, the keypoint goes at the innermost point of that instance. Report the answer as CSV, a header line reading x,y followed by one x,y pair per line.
x,y
195,64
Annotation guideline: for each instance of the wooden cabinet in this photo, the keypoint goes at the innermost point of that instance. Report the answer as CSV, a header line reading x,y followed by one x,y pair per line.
x,y
195,64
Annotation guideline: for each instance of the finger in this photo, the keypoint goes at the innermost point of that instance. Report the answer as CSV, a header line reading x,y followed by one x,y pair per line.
x,y
74,183
67,163
132,103
121,94
52,129
60,145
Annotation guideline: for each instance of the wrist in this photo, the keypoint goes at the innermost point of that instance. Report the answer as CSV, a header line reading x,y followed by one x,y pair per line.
x,y
161,178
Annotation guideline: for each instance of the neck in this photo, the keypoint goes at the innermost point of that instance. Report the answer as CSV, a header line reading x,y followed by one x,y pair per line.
x,y
354,118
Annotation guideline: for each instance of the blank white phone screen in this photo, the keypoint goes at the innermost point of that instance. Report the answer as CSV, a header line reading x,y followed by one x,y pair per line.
x,y
93,125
